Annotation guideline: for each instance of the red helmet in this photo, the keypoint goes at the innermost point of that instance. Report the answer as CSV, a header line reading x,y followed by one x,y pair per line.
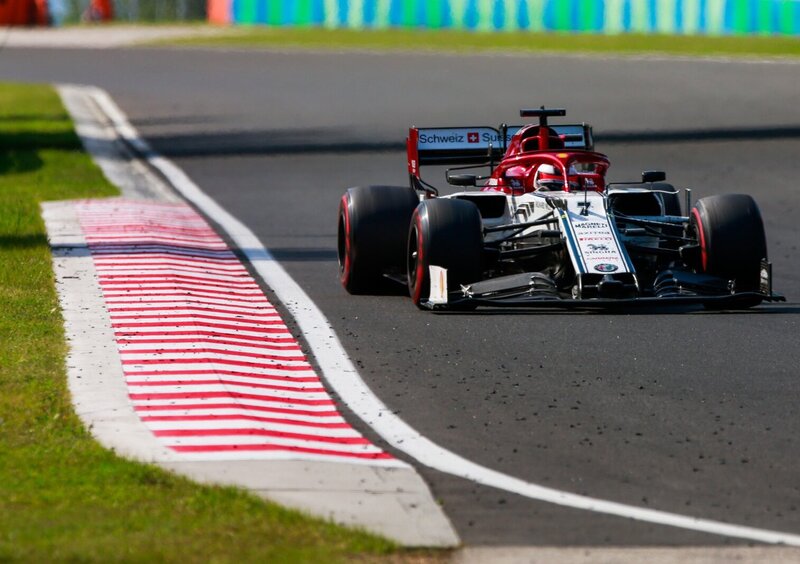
x,y
548,177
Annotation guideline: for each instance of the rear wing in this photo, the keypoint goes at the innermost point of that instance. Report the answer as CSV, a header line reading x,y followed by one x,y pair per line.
x,y
450,146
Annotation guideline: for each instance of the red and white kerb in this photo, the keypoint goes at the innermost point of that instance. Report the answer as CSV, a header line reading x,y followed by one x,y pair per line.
x,y
211,368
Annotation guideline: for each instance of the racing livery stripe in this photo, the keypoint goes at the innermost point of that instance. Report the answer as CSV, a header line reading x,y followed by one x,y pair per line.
x,y
211,368
602,227
576,263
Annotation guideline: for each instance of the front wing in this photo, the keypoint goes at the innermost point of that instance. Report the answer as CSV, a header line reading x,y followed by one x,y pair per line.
x,y
531,290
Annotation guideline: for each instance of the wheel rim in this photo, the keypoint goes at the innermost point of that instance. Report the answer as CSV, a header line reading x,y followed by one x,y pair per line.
x,y
701,239
343,243
413,259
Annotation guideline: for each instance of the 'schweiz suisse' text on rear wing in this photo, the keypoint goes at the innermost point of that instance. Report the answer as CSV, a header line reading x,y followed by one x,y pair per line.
x,y
452,146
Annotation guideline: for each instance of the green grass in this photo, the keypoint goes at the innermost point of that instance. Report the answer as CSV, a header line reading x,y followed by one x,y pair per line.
x,y
472,42
62,496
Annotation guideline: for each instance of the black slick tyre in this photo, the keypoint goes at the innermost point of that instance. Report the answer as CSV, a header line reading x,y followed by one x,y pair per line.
x,y
732,241
371,234
447,233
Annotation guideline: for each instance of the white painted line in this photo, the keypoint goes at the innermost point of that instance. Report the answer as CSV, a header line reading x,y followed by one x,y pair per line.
x,y
344,378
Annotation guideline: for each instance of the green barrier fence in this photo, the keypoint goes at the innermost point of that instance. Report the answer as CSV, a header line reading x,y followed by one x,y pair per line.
x,y
707,17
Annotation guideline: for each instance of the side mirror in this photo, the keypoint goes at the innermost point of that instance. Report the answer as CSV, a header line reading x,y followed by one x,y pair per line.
x,y
462,179
654,176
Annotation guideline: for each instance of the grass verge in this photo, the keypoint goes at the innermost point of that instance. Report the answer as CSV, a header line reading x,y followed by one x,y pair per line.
x,y
472,42
62,496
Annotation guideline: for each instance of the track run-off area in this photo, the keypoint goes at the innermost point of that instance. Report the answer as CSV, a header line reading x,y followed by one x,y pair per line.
x,y
691,413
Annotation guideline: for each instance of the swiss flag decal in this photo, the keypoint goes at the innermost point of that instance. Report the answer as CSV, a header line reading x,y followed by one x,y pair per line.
x,y
472,137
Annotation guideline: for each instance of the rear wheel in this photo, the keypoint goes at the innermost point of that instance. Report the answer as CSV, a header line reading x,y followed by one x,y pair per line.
x,y
446,233
372,229
732,242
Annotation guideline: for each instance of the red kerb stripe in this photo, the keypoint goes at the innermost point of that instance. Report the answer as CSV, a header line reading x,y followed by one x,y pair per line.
x,y
242,417
226,352
268,447
224,361
215,372
260,433
203,324
276,343
165,336
244,406
228,394
226,382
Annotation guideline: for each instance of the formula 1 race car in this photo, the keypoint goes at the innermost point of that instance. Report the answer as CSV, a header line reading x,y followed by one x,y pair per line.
x,y
544,228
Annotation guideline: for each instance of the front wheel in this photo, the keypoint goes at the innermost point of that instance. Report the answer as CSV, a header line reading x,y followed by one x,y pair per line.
x,y
732,241
446,233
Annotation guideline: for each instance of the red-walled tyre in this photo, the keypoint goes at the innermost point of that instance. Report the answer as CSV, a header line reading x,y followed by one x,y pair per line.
x,y
732,241
372,229
446,233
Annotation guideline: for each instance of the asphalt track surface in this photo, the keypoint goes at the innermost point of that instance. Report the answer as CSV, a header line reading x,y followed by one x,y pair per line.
x,y
693,412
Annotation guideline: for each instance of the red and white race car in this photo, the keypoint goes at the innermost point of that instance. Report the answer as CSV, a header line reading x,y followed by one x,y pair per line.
x,y
543,227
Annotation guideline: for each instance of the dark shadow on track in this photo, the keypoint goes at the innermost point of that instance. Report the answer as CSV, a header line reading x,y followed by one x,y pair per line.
x,y
270,142
783,309
180,119
335,141
682,135
295,254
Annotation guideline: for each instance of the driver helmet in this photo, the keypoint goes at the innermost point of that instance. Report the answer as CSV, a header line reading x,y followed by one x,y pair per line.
x,y
549,178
